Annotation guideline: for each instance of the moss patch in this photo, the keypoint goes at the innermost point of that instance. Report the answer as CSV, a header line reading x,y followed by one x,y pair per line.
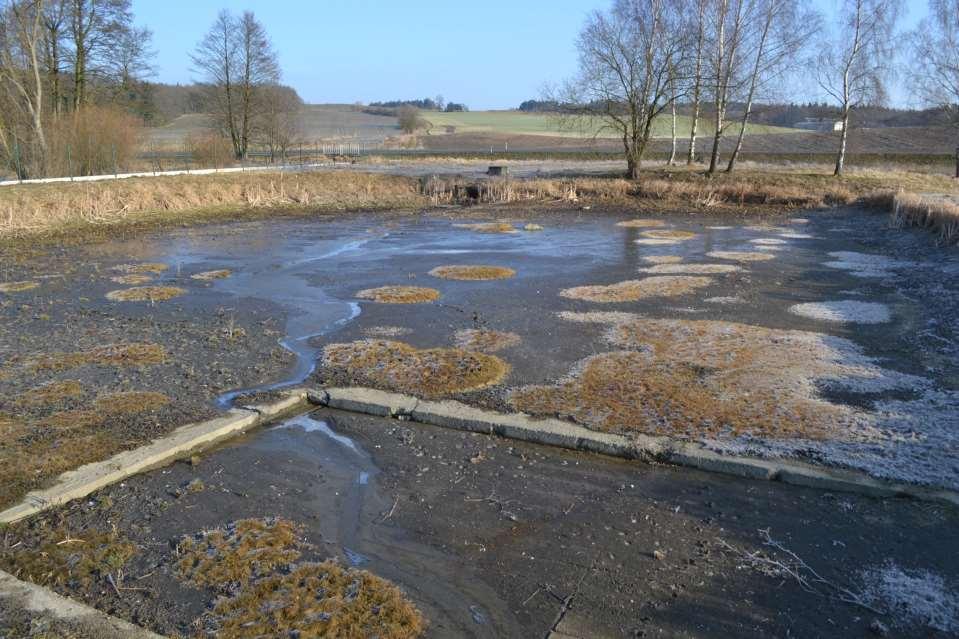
x,y
472,272
434,372
741,256
146,294
489,227
130,402
707,378
484,340
207,276
145,267
17,287
399,294
132,354
66,557
641,223
132,279
632,290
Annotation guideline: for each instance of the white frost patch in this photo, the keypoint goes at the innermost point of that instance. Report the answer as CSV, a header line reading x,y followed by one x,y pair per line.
x,y
719,228
698,269
911,596
798,236
728,299
798,220
768,241
865,264
846,311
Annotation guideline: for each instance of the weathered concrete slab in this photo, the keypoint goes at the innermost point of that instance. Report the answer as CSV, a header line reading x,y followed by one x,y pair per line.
x,y
41,602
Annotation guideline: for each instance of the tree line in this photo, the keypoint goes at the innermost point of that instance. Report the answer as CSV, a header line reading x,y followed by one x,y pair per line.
x,y
643,59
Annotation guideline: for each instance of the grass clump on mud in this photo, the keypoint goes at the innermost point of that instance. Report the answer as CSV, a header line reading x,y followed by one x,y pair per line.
x,y
666,234
709,378
18,287
154,268
633,290
207,276
130,402
131,354
485,340
51,393
472,272
146,294
133,279
489,227
741,256
641,223
263,588
65,558
399,294
431,373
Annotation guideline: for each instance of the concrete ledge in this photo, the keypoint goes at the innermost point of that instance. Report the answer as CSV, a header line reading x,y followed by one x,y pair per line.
x,y
555,432
78,483
41,602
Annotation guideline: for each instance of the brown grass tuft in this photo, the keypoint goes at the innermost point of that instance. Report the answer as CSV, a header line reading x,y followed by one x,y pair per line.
x,y
471,272
130,402
640,223
742,256
132,354
489,227
632,290
485,340
132,279
17,287
399,294
207,276
147,267
72,419
67,557
146,294
51,393
433,372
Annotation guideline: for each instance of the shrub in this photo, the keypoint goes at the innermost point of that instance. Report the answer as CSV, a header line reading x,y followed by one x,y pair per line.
x,y
93,140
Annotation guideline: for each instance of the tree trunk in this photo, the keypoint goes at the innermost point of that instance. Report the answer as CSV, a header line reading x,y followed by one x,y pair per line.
x,y
841,155
717,137
672,151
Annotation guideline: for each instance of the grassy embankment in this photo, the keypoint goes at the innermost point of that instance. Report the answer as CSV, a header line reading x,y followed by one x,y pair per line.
x,y
75,210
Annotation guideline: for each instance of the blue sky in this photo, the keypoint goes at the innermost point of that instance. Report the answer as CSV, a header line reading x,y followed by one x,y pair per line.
x,y
487,53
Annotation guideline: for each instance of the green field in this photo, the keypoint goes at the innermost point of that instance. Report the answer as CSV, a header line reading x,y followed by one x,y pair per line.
x,y
521,123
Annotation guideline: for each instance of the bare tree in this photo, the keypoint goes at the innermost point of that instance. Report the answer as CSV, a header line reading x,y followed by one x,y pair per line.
x,y
775,44
54,33
21,76
280,124
935,68
855,63
239,64
626,58
696,24
728,32
409,119
95,28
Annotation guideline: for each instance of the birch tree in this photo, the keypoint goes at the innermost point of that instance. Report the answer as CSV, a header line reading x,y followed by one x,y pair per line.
x,y
21,77
856,61
935,68
730,20
696,24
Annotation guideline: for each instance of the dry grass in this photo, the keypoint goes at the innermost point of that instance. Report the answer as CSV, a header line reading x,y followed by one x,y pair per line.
x,y
17,287
433,372
695,269
939,214
399,294
705,378
51,393
741,256
64,208
207,276
320,600
252,563
132,354
72,419
146,267
640,223
472,272
663,259
66,557
130,402
485,340
133,279
633,290
146,294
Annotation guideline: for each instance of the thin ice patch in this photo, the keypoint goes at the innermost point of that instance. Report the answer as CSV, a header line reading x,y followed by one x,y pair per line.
x,y
843,311
768,241
912,596
865,264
